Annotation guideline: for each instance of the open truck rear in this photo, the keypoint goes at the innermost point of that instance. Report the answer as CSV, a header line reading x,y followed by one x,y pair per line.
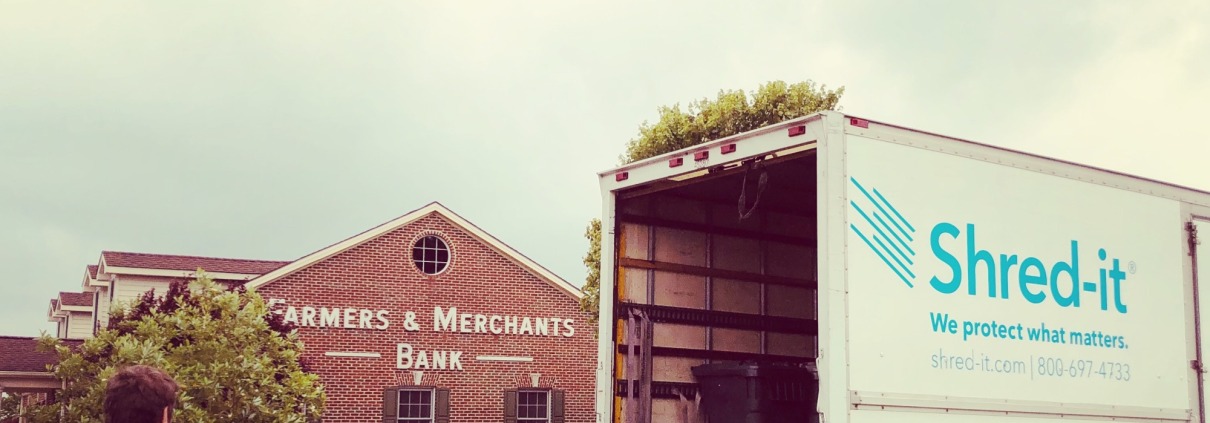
x,y
925,278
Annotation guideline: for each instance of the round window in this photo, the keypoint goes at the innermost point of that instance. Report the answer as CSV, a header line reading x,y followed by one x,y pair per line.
x,y
431,254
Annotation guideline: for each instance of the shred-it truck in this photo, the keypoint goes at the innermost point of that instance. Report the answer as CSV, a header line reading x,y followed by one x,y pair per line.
x,y
925,278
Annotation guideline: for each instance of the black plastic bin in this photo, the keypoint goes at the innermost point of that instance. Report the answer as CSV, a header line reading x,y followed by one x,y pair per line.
x,y
758,393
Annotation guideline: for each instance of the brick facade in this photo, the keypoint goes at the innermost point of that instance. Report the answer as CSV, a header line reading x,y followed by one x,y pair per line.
x,y
493,290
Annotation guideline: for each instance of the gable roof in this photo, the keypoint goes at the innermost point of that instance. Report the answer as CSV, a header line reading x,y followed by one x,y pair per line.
x,y
67,302
52,314
188,263
20,354
92,271
431,208
83,299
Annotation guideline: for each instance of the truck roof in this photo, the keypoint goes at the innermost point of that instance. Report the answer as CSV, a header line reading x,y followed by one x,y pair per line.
x,y
854,118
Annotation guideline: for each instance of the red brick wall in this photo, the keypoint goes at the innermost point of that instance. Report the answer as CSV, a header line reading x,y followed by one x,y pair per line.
x,y
380,275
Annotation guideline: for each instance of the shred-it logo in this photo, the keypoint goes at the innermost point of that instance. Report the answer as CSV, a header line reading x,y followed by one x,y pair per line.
x,y
885,231
968,263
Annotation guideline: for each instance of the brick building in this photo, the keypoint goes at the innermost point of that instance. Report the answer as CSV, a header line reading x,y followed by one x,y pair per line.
x,y
425,318
436,317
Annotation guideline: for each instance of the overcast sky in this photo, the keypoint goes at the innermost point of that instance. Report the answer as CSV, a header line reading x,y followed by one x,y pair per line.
x,y
269,130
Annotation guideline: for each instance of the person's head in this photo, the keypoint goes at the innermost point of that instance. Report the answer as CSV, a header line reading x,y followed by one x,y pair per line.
x,y
140,394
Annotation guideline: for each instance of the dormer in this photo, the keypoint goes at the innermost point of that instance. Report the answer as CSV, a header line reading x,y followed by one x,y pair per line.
x,y
73,312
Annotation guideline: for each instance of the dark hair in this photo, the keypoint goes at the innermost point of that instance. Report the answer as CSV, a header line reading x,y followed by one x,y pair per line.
x,y
139,394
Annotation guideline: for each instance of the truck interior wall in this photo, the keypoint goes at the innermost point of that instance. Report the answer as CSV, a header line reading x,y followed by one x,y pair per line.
x,y
712,287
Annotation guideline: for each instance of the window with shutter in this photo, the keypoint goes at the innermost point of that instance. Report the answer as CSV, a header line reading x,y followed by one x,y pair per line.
x,y
442,405
415,405
533,406
390,405
510,406
556,406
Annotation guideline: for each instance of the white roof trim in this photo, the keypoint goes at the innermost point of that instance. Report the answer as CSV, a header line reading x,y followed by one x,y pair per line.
x,y
27,374
90,281
61,313
138,271
102,267
434,207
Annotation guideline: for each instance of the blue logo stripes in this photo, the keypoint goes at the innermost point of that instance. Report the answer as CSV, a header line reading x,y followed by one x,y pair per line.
x,y
887,233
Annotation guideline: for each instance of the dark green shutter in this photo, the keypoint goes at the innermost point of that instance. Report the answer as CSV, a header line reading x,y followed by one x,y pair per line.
x,y
556,406
390,405
510,406
442,405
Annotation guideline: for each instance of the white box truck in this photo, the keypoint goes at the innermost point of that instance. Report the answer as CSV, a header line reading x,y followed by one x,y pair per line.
x,y
926,279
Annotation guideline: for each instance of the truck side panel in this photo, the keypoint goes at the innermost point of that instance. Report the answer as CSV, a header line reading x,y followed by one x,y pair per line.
x,y
1010,288
917,417
833,293
1200,228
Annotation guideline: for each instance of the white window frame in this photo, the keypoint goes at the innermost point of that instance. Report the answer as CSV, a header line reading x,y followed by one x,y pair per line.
x,y
399,406
417,244
549,411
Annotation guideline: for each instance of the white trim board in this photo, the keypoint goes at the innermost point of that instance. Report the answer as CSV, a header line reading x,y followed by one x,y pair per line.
x,y
353,354
137,271
434,207
48,375
504,358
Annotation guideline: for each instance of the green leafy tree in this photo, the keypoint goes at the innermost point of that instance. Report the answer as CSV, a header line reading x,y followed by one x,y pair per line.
x,y
730,113
235,361
38,413
592,286
10,408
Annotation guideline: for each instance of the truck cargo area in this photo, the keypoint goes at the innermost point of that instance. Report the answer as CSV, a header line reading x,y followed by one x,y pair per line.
x,y
716,267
